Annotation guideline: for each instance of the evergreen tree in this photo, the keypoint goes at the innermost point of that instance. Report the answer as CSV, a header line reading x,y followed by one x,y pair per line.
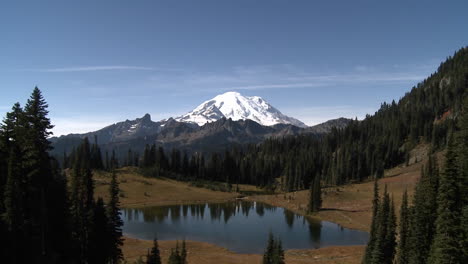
x,y
153,257
403,244
383,214
115,222
424,213
274,253
82,201
183,253
374,225
310,206
446,248
315,195
462,142
99,250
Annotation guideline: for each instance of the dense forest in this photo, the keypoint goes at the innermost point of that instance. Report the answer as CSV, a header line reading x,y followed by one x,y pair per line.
x,y
49,213
434,228
47,217
361,151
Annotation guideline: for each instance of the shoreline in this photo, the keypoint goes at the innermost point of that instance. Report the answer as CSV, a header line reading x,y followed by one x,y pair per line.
x,y
203,252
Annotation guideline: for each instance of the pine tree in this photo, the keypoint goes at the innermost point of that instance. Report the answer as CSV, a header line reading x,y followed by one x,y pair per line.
x,y
173,257
374,225
115,222
403,244
317,193
445,248
274,253
269,251
378,252
389,240
38,171
279,256
424,213
310,206
14,185
153,257
462,142
82,201
183,253
99,235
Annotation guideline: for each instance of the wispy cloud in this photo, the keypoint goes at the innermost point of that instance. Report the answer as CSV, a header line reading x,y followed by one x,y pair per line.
x,y
95,68
282,77
274,86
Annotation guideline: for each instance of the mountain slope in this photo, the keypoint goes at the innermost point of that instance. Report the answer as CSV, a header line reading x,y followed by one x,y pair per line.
x,y
214,136
238,107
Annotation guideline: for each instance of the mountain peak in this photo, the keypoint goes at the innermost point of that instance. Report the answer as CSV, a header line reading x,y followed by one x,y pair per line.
x,y
238,107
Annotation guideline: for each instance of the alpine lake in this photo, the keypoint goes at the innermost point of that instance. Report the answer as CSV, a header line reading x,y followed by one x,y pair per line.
x,y
240,226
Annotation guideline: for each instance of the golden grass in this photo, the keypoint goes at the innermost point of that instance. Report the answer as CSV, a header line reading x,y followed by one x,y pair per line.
x,y
349,206
139,191
205,253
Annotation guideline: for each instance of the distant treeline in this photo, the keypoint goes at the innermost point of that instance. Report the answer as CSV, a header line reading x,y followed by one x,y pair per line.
x,y
360,151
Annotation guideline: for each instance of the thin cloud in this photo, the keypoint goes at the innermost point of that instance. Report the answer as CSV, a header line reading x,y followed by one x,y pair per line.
x,y
96,68
285,76
274,86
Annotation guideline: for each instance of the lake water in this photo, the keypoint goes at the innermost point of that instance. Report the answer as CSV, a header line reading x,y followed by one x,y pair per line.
x,y
240,226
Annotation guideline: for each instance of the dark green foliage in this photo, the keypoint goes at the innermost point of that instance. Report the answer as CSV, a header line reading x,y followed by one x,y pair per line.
x,y
99,246
424,213
462,142
403,244
384,247
360,151
32,189
381,245
274,253
115,222
445,247
373,230
82,200
315,195
176,256
153,257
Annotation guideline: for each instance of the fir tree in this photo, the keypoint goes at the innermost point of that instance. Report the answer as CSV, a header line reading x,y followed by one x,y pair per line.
x,y
403,243
274,253
38,171
115,222
374,225
315,193
153,257
183,253
99,235
462,141
446,248
424,213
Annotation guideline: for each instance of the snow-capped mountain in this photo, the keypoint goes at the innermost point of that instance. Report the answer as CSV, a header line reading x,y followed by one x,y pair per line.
x,y
238,107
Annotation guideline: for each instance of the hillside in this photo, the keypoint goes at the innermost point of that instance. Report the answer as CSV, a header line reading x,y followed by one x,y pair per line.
x,y
214,136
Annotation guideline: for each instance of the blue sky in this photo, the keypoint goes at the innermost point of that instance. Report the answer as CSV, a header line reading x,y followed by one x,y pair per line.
x,y
99,62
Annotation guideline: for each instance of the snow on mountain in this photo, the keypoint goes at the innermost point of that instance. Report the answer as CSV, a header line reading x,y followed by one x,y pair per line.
x,y
238,107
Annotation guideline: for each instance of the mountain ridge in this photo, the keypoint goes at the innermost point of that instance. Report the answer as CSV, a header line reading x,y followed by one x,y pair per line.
x,y
214,136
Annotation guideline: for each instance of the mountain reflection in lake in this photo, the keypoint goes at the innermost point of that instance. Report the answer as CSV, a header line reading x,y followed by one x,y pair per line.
x,y
240,226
